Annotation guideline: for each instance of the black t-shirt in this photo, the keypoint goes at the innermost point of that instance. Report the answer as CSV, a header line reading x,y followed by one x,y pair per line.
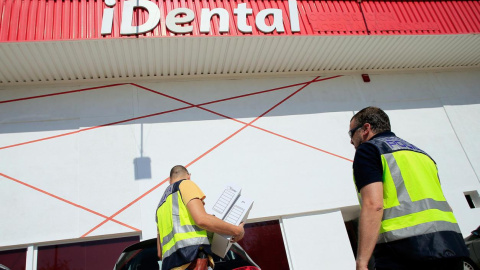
x,y
367,164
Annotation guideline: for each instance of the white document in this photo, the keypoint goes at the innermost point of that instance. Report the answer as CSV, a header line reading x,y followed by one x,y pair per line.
x,y
224,201
232,208
239,211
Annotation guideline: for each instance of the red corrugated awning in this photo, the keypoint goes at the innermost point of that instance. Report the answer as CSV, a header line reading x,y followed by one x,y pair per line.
x,y
39,20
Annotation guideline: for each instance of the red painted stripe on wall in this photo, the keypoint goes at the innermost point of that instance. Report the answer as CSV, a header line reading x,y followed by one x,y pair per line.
x,y
38,20
191,105
67,201
201,156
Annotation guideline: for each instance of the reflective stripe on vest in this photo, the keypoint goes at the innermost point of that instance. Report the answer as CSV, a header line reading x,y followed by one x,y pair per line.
x,y
405,218
180,236
186,243
419,229
407,206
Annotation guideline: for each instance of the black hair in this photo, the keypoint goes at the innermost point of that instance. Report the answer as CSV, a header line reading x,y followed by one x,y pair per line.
x,y
375,116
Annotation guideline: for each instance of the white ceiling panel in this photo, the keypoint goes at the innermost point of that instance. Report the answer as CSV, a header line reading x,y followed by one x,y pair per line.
x,y
83,60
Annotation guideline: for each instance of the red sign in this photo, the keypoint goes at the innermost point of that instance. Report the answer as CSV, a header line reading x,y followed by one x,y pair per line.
x,y
36,20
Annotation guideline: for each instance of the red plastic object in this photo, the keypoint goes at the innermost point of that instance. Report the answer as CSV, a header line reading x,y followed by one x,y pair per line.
x,y
366,78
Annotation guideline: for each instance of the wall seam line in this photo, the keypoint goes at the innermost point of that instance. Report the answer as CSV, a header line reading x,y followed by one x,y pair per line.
x,y
460,142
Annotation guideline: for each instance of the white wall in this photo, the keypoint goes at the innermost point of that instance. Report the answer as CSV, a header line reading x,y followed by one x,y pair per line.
x,y
92,171
322,235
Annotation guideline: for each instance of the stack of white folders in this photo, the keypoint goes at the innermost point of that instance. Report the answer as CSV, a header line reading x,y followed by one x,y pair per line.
x,y
232,208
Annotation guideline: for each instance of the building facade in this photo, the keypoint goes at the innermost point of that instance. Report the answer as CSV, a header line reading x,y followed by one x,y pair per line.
x,y
99,99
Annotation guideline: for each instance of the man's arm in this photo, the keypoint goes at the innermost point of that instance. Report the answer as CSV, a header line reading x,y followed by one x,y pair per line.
x,y
212,223
369,224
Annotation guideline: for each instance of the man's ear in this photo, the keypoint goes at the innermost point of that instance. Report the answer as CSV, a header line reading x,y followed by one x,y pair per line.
x,y
367,129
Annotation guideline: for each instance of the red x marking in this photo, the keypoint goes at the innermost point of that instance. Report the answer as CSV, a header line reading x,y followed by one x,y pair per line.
x,y
201,156
305,84
200,106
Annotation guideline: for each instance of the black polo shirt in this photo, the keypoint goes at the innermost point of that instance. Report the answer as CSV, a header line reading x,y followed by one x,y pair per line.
x,y
367,164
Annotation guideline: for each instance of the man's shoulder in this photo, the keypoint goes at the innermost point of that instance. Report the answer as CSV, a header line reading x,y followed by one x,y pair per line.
x,y
189,190
366,151
367,165
186,184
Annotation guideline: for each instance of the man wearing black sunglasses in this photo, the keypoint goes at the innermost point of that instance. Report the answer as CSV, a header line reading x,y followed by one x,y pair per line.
x,y
405,221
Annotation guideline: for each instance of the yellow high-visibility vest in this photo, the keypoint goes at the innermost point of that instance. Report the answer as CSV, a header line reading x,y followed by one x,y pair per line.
x,y
180,237
413,200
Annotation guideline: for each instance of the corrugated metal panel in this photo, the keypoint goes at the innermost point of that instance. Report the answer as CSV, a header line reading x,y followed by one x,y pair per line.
x,y
422,17
178,56
41,20
331,18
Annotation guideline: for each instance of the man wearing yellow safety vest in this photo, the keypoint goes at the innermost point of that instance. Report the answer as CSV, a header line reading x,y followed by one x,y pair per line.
x,y
405,220
182,225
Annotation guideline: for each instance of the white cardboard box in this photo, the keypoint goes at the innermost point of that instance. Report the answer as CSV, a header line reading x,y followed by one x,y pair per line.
x,y
232,208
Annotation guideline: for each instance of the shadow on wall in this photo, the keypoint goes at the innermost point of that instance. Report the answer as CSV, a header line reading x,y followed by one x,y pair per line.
x,y
142,165
143,168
